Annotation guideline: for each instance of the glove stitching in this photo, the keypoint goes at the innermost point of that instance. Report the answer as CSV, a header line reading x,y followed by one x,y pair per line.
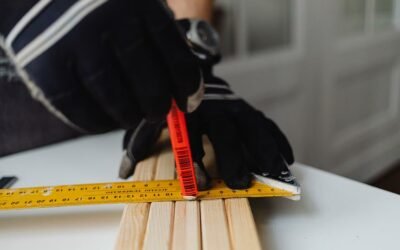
x,y
217,86
219,96
225,97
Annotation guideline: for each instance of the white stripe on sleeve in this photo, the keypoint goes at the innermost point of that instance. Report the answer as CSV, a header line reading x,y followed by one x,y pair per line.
x,y
25,20
57,30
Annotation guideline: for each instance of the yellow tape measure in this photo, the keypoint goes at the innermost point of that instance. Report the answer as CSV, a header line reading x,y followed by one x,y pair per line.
x,y
122,192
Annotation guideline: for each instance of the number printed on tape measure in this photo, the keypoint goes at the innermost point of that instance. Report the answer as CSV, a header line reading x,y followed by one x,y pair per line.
x,y
122,192
109,188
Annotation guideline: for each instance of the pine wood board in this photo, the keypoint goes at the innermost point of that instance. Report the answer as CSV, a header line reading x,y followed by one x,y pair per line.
x,y
161,215
214,225
135,216
187,230
217,224
243,231
159,226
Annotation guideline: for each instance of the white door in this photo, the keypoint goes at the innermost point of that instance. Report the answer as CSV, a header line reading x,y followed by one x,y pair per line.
x,y
326,71
359,98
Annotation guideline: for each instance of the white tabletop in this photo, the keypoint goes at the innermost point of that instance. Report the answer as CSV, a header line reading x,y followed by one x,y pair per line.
x,y
334,213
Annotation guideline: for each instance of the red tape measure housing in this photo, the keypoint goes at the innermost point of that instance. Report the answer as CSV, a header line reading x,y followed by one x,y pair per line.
x,y
181,148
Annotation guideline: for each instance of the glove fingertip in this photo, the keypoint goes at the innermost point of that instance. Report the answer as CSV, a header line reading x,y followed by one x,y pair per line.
x,y
240,182
126,138
280,138
127,167
290,159
203,179
288,156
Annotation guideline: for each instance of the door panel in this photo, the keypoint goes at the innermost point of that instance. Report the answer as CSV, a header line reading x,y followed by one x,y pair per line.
x,y
360,94
266,65
331,81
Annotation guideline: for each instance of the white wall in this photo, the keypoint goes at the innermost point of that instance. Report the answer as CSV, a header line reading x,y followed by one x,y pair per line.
x,y
333,86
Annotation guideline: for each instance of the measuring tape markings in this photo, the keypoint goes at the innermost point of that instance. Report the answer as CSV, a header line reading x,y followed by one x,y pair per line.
x,y
122,192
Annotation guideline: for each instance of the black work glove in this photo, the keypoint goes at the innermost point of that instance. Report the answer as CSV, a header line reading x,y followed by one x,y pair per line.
x,y
99,64
244,140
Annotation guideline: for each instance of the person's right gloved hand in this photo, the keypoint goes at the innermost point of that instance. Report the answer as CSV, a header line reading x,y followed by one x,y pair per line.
x,y
244,140
99,64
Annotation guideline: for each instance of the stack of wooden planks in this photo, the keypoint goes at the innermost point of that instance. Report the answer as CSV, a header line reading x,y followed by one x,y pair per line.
x,y
185,225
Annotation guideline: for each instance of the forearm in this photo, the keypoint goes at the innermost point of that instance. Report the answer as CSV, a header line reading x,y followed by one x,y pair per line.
x,y
192,8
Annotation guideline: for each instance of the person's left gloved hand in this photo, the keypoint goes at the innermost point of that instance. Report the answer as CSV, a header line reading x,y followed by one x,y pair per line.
x,y
244,140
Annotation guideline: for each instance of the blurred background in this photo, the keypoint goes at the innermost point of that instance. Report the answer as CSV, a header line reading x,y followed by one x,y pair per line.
x,y
328,72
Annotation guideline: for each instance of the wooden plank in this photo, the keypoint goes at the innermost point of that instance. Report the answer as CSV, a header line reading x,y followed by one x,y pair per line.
x,y
131,231
209,225
161,216
165,169
242,228
134,217
214,225
187,230
145,170
159,226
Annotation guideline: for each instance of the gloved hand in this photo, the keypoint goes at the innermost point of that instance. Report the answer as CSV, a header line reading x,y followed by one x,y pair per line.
x,y
244,140
100,64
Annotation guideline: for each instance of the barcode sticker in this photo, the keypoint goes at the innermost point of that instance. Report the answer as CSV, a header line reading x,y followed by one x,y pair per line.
x,y
181,148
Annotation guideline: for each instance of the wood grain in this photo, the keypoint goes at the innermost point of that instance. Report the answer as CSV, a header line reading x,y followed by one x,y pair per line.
x,y
161,217
165,168
214,225
134,217
241,225
187,230
145,170
185,225
159,226
242,228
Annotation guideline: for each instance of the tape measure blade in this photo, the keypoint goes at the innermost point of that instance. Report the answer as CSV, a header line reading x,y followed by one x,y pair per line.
x,y
125,192
96,188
